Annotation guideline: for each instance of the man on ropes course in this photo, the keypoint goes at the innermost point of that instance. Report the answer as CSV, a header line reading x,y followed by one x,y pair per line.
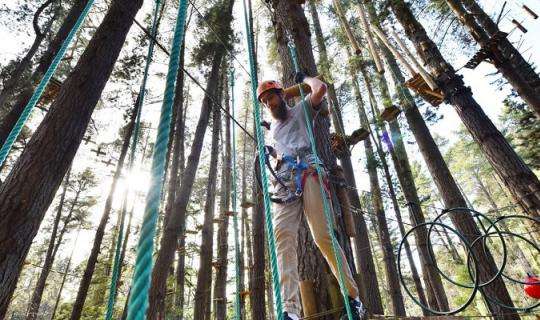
x,y
297,189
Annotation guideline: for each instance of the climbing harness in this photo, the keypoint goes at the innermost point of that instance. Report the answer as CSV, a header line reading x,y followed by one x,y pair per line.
x,y
10,140
138,301
297,167
261,158
140,100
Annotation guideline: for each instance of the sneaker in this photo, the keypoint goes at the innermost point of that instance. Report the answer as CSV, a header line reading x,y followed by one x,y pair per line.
x,y
358,310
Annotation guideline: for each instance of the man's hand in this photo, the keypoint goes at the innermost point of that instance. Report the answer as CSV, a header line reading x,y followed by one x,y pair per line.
x,y
318,90
299,77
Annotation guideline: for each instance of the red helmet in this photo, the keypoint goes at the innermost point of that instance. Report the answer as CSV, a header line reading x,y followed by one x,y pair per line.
x,y
267,85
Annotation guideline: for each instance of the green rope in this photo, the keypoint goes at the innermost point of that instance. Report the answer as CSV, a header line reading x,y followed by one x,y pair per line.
x,y
16,130
326,204
264,178
138,301
237,311
140,101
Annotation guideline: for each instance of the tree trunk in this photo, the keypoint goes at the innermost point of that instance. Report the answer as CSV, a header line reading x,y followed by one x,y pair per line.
x,y
289,18
492,142
429,271
220,296
246,234
170,236
256,278
518,178
204,276
64,276
176,173
14,114
367,273
506,58
383,232
514,248
84,285
22,205
10,85
49,256
337,119
395,204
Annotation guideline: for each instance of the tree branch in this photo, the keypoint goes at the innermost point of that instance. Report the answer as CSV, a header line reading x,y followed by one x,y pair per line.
x,y
39,11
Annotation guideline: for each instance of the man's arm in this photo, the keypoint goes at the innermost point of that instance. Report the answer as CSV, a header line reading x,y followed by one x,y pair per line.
x,y
318,91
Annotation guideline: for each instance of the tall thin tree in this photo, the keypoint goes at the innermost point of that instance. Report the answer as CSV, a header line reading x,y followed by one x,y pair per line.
x,y
23,204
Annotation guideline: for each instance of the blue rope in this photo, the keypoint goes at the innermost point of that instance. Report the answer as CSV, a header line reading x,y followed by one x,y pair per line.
x,y
264,178
138,302
116,267
14,134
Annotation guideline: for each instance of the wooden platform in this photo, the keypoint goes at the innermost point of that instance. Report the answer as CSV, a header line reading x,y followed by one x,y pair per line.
x,y
340,144
486,52
419,85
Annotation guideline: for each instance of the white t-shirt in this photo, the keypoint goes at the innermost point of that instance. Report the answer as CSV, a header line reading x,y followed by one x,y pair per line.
x,y
290,136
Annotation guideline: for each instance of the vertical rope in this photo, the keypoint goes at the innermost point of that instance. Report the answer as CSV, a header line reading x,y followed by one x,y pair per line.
x,y
326,204
10,140
264,178
138,301
237,311
140,99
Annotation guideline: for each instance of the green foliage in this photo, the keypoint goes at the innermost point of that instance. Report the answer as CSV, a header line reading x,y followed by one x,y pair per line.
x,y
522,129
217,37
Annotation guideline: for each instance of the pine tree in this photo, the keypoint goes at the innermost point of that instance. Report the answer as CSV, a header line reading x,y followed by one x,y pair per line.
x,y
10,85
45,60
100,232
165,256
495,148
506,58
517,177
22,205
222,260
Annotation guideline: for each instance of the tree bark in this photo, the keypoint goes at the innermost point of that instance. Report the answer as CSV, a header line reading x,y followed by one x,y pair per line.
x,y
49,256
170,236
288,17
256,278
204,277
518,178
490,139
22,205
10,85
337,119
8,122
513,246
436,293
393,283
369,283
176,174
395,204
220,285
506,58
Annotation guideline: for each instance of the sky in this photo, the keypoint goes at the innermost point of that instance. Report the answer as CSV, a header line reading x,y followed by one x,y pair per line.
x,y
489,97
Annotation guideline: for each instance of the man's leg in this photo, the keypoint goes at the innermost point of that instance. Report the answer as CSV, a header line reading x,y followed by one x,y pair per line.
x,y
286,221
314,210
